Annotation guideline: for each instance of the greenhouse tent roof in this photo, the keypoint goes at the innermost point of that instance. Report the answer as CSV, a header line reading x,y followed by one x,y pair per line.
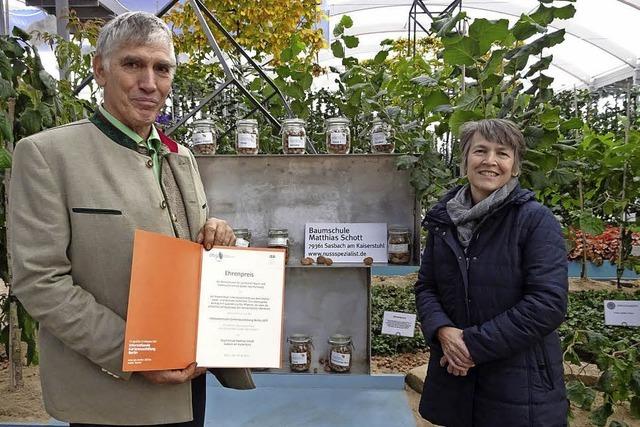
x,y
600,47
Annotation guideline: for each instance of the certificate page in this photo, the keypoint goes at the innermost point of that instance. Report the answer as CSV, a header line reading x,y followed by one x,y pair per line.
x,y
241,307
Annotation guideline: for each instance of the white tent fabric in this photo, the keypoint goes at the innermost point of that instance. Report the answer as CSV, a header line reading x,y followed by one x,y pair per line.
x,y
600,47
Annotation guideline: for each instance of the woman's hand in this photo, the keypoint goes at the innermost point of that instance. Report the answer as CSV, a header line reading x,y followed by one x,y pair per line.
x,y
456,354
216,232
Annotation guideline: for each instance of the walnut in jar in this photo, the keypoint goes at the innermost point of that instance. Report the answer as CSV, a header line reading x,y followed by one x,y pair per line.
x,y
399,245
294,136
300,352
340,353
338,136
247,136
381,139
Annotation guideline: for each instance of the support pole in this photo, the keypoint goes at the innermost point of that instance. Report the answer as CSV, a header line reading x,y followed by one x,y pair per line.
x,y
62,21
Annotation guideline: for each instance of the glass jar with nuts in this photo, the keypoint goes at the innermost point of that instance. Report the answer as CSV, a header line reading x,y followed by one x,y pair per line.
x,y
381,140
279,238
203,138
338,136
399,245
299,352
243,237
247,136
294,136
340,352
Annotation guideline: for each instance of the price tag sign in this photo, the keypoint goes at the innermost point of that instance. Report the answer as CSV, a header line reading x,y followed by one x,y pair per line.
x,y
621,313
401,324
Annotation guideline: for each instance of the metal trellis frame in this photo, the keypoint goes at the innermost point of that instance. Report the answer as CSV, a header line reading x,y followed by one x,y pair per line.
x,y
420,7
201,12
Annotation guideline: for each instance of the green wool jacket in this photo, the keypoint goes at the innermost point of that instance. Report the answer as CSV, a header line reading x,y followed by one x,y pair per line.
x,y
76,197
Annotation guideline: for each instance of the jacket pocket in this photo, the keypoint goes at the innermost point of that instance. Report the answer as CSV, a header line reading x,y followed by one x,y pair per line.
x,y
95,211
543,366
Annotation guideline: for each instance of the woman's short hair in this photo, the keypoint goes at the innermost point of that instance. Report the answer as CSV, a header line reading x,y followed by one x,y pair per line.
x,y
500,131
136,28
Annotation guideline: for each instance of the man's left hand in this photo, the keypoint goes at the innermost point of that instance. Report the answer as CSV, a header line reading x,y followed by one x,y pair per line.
x,y
216,232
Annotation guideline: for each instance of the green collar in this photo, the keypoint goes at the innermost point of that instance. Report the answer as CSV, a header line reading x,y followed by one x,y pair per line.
x,y
122,135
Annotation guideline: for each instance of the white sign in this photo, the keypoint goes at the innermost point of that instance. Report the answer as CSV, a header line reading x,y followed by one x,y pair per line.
x,y
635,250
622,313
346,242
401,324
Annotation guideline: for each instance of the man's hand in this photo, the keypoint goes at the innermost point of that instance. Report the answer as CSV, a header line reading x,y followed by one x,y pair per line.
x,y
456,354
174,376
216,232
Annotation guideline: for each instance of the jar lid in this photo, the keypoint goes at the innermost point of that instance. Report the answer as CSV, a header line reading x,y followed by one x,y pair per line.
x,y
278,231
293,121
203,122
299,338
337,121
252,122
339,339
398,229
240,231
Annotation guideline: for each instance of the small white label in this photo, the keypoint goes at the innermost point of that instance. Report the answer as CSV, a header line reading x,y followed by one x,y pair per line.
x,y
622,313
378,138
278,241
340,359
299,358
635,250
338,138
296,142
402,248
240,242
395,323
247,140
202,138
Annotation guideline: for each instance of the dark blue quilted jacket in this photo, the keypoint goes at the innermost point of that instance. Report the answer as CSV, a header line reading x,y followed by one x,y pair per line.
x,y
508,293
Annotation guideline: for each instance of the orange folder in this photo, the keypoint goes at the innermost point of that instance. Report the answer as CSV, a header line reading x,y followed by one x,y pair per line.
x,y
162,315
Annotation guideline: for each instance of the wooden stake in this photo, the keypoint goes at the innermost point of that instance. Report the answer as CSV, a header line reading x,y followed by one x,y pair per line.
x,y
15,349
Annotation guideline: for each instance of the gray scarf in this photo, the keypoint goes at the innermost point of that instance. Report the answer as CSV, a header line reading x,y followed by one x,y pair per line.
x,y
466,216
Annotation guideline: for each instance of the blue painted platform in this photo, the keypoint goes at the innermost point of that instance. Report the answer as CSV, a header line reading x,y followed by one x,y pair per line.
x,y
306,400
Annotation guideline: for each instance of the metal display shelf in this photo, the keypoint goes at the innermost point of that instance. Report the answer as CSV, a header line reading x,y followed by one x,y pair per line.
x,y
275,191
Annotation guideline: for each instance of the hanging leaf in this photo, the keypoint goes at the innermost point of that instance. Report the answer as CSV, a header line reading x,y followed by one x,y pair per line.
x,y
30,121
600,415
337,49
562,176
351,41
346,21
444,25
18,32
487,32
541,65
526,27
5,159
591,225
6,89
461,52
459,117
6,70
381,56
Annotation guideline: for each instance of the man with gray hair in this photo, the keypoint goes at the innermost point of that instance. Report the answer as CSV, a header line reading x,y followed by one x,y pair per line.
x,y
78,193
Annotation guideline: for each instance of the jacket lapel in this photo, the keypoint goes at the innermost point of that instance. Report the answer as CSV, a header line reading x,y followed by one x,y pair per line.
x,y
180,166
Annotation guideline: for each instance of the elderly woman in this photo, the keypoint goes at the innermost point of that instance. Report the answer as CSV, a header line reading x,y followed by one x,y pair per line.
x,y
491,291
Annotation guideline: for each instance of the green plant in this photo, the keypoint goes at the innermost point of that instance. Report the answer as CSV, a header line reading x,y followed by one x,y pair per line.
x,y
614,349
30,101
393,298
